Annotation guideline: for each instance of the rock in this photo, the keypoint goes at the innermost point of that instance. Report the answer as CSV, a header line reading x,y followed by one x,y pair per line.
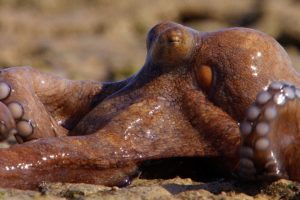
x,y
172,189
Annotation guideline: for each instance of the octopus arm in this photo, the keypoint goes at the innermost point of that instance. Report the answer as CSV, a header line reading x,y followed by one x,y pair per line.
x,y
39,101
89,159
101,158
219,130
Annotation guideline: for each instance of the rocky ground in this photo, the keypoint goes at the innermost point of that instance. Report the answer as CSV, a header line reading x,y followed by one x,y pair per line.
x,y
105,40
172,189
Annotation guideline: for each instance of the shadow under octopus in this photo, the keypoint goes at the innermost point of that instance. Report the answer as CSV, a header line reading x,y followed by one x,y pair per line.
x,y
230,94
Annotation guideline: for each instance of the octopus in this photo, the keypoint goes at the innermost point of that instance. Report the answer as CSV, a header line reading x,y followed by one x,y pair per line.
x,y
231,94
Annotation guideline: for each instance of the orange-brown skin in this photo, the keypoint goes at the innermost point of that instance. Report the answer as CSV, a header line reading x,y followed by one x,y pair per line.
x,y
99,133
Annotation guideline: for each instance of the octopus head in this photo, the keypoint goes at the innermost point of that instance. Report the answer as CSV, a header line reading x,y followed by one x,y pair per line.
x,y
235,69
233,65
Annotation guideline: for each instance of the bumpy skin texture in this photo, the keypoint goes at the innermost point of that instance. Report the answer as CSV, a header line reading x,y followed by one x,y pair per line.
x,y
84,131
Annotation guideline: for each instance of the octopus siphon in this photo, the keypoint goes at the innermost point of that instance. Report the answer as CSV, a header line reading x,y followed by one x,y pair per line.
x,y
231,94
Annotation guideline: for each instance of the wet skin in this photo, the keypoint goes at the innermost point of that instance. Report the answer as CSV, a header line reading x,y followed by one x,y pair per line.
x,y
186,101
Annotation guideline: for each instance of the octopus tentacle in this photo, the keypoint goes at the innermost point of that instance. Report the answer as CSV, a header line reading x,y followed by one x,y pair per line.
x,y
7,122
5,90
9,113
25,109
268,131
101,158
16,110
65,158
23,128
212,128
36,105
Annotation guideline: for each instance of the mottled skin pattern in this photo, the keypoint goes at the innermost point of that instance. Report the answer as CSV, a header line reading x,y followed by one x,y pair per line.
x,y
90,132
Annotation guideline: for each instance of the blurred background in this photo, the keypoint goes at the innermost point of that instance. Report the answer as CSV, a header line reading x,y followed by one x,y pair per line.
x,y
105,39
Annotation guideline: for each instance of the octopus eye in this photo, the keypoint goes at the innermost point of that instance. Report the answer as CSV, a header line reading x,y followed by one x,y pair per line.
x,y
205,77
172,36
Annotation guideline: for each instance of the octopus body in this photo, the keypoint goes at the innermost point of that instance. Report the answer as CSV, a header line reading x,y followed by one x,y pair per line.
x,y
230,94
